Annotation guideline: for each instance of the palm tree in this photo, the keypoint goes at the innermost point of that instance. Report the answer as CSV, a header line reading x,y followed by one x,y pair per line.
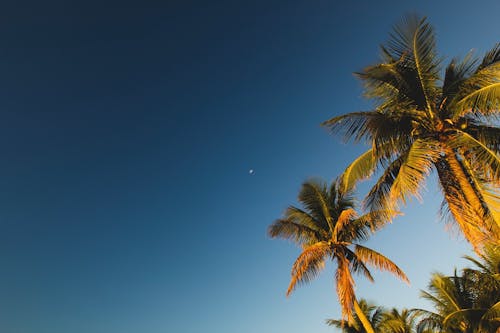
x,y
395,321
372,312
330,228
467,303
423,122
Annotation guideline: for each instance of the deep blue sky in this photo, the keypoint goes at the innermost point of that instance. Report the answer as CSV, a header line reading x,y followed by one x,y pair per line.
x,y
127,131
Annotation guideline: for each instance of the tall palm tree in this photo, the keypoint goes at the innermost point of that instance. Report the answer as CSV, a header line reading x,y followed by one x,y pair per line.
x,y
329,228
467,303
372,312
424,122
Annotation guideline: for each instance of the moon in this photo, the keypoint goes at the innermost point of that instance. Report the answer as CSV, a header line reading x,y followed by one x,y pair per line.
x,y
251,171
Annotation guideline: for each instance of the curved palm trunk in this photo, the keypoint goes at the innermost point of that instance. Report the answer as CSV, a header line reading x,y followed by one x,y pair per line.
x,y
362,317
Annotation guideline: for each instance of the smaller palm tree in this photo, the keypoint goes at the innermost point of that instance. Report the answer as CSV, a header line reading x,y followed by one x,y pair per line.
x,y
395,321
329,228
372,312
467,303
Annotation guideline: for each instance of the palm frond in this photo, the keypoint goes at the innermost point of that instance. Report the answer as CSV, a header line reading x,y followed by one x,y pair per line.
x,y
357,265
480,93
376,220
313,196
296,232
379,261
488,135
456,73
468,199
478,152
417,166
309,264
492,314
360,169
345,217
345,287
378,199
300,216
354,125
414,40
492,57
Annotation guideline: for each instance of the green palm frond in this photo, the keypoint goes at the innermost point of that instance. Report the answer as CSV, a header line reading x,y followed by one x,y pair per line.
x,y
296,232
456,73
361,168
370,311
414,41
355,125
431,323
479,94
313,196
300,216
492,57
489,262
493,314
386,84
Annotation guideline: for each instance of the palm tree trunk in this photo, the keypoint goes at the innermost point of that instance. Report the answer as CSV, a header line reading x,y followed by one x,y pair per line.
x,y
362,317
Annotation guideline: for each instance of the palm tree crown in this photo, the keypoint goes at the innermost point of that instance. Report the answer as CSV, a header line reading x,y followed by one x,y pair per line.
x,y
329,228
466,303
424,122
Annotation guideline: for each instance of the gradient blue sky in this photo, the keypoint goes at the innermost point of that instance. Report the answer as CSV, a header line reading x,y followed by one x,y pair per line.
x,y
127,131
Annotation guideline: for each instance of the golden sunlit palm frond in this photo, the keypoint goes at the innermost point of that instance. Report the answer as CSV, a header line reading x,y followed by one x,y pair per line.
x,y
478,197
477,151
455,203
345,217
416,167
345,287
379,261
357,266
309,264
376,220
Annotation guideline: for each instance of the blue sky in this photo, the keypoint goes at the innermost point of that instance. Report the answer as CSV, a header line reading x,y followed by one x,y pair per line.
x,y
127,133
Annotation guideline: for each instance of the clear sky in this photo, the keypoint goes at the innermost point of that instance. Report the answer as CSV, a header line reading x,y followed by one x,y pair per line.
x,y
127,132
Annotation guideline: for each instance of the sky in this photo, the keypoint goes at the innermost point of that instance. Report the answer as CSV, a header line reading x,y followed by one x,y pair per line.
x,y
127,133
